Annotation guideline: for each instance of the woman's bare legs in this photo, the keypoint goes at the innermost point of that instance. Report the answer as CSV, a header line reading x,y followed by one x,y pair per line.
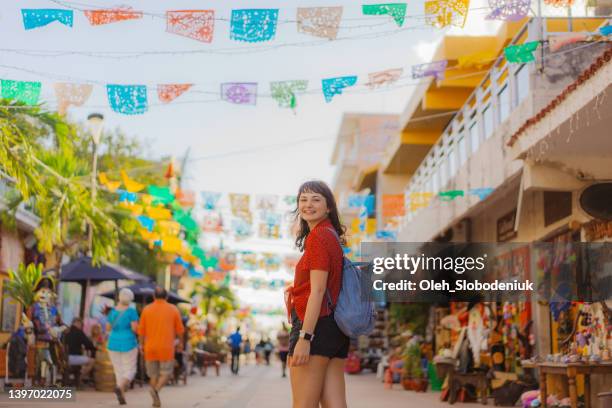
x,y
334,394
307,382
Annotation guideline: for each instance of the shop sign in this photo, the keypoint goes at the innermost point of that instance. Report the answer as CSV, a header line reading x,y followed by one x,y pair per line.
x,y
505,227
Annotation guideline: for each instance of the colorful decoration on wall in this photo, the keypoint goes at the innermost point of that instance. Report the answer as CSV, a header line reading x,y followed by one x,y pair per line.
x,y
556,42
68,94
508,10
210,199
335,86
319,21
435,69
253,25
284,92
107,16
397,11
521,54
35,18
22,91
240,93
386,77
393,205
195,24
169,92
127,99
442,13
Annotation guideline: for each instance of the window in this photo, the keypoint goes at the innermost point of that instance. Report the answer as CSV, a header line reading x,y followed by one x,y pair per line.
x,y
474,137
503,102
522,83
487,116
557,205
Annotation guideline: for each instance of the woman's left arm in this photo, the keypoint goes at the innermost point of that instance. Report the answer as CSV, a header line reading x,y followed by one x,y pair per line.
x,y
318,285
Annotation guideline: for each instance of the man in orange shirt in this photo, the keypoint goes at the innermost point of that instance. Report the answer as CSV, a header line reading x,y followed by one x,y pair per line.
x,y
160,324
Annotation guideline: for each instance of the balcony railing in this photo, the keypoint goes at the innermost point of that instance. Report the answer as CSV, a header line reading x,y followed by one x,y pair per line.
x,y
504,87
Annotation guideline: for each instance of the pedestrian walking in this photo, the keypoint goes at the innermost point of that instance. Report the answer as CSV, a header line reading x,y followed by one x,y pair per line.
x,y
160,330
317,346
122,342
246,350
235,341
76,341
283,348
259,351
268,349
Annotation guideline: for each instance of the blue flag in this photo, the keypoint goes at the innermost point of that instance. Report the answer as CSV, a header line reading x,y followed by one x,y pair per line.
x,y
35,18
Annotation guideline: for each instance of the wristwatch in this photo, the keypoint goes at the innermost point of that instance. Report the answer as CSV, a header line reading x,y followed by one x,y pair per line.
x,y
306,336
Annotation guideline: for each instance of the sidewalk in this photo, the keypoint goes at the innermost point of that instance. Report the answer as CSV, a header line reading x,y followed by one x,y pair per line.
x,y
255,387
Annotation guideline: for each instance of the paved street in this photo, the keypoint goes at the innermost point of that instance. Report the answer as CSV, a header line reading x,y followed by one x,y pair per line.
x,y
257,386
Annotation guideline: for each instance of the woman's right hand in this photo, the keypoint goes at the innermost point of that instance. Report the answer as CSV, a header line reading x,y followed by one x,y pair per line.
x,y
301,353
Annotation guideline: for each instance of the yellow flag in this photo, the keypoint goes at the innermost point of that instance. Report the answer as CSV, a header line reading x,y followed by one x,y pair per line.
x,y
171,244
159,213
111,186
371,226
131,185
476,60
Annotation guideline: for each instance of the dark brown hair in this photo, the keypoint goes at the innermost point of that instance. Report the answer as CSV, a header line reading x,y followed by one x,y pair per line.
x,y
319,187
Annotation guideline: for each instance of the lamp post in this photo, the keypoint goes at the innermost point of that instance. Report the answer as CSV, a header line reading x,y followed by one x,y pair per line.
x,y
95,122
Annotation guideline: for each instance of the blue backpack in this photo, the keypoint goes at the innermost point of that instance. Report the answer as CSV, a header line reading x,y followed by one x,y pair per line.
x,y
353,314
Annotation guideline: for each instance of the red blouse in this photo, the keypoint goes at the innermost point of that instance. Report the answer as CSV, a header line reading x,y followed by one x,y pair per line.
x,y
323,252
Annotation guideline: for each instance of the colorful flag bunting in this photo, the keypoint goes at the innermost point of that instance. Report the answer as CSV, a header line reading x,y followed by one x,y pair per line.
x,y
266,202
107,16
359,201
195,24
169,227
240,93
240,203
605,31
210,199
442,13
482,193
290,200
127,99
253,25
22,91
241,228
477,60
319,21
71,94
508,10
284,92
393,205
111,186
335,86
556,42
146,222
171,245
129,184
386,235
160,194
396,10
450,195
435,69
126,196
34,18
559,3
169,92
419,200
186,198
521,54
159,213
387,77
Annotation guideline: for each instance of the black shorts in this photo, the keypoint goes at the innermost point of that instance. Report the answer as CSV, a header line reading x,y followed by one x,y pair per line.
x,y
329,341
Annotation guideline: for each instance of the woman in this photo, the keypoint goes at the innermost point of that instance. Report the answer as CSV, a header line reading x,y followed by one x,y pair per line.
x,y
122,342
317,347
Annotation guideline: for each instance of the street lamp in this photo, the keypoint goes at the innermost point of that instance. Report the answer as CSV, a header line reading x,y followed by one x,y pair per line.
x,y
95,123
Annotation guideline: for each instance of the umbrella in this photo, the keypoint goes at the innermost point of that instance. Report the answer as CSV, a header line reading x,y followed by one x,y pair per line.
x,y
143,291
81,270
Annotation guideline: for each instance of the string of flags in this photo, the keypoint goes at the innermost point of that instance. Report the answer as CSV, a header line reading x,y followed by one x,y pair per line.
x,y
134,99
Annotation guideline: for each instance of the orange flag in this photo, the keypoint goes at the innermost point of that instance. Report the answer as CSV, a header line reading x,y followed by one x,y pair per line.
x,y
169,92
393,205
100,17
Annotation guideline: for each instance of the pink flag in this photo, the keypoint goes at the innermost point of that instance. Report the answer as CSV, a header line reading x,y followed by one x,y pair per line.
x,y
556,42
196,24
169,92
100,17
384,77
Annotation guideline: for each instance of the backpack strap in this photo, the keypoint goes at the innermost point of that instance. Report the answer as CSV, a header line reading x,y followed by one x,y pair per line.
x,y
330,304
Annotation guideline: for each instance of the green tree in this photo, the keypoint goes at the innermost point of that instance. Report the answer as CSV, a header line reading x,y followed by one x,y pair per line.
x,y
215,299
21,283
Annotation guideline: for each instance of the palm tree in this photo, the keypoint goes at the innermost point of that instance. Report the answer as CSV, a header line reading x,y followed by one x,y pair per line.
x,y
37,153
214,299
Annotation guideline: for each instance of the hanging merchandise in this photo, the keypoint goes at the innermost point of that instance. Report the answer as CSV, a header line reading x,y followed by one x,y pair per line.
x,y
169,92
35,18
130,185
319,21
127,99
239,93
253,25
397,11
393,205
556,42
210,199
195,24
22,91
435,69
107,16
521,54
386,77
450,195
71,94
508,10
442,13
160,195
335,86
284,92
